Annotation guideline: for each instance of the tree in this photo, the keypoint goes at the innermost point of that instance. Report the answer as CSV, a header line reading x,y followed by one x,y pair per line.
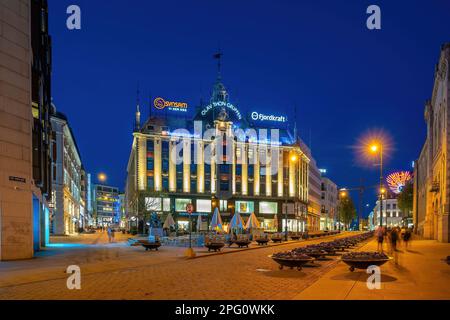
x,y
405,199
146,203
347,211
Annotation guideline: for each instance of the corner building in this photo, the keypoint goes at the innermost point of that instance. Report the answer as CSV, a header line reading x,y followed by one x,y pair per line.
x,y
219,165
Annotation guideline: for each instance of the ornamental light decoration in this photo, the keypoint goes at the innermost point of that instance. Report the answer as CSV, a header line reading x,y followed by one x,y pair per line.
x,y
397,180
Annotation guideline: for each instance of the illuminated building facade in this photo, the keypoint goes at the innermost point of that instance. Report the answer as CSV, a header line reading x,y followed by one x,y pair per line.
x,y
218,158
106,205
431,205
392,215
69,180
329,197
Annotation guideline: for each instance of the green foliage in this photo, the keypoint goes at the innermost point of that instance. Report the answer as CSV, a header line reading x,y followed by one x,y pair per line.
x,y
405,199
347,210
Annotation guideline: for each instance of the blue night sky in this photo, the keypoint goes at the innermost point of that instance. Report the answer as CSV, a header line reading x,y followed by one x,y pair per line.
x,y
317,55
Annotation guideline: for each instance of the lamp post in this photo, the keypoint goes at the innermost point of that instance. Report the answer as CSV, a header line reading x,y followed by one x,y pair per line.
x,y
189,251
292,159
374,148
342,195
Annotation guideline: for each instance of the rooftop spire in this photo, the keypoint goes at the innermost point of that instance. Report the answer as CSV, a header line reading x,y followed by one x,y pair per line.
x,y
218,56
137,124
219,91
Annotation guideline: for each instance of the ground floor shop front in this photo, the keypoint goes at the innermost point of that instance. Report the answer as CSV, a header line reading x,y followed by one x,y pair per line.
x,y
273,214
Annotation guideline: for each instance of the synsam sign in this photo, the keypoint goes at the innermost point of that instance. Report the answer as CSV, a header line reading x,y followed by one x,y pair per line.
x,y
160,104
263,117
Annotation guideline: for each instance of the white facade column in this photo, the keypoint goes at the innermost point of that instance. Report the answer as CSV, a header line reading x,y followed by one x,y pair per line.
x,y
244,175
256,173
280,173
157,158
200,166
186,165
172,167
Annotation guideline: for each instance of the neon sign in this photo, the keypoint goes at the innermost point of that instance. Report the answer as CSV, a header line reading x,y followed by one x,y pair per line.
x,y
264,117
160,104
222,104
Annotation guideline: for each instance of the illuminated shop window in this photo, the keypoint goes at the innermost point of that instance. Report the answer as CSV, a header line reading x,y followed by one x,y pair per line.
x,y
203,205
223,205
153,204
268,207
166,204
245,206
180,204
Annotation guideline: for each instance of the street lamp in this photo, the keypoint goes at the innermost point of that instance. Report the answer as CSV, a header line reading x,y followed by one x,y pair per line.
x,y
101,177
342,195
292,159
377,147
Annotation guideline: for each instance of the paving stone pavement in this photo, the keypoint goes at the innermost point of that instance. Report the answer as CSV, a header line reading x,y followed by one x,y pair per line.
x,y
116,271
420,273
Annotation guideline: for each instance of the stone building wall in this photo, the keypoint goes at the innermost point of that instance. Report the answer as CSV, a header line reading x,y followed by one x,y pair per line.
x,y
16,231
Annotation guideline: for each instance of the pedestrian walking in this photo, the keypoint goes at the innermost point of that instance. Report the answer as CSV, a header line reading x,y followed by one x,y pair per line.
x,y
113,233
407,238
380,238
393,237
108,230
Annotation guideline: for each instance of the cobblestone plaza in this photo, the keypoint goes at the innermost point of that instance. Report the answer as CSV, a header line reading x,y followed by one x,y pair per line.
x,y
117,271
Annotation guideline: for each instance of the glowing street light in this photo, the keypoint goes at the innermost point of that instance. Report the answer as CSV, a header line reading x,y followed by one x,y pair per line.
x,y
293,158
101,177
377,147
374,148
343,193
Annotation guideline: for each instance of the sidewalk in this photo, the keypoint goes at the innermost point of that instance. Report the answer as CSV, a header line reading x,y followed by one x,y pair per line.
x,y
420,274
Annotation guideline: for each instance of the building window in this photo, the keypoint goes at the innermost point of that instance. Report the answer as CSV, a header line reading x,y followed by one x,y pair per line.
x,y
150,164
268,207
223,205
180,204
245,206
179,184
250,170
150,145
193,185
165,184
150,183
153,204
203,205
166,204
224,185
165,165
